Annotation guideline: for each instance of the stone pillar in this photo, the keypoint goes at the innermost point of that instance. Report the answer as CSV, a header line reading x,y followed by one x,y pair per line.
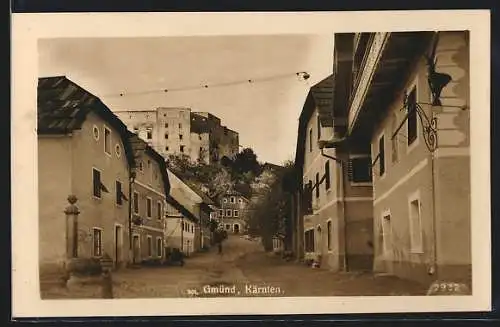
x,y
72,213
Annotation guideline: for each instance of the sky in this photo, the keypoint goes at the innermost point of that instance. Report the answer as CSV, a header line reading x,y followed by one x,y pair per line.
x,y
264,113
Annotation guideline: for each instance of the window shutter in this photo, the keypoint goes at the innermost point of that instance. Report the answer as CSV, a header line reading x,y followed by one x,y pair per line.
x,y
350,174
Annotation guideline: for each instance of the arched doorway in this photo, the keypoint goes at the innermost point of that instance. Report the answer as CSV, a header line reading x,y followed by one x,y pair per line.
x,y
236,228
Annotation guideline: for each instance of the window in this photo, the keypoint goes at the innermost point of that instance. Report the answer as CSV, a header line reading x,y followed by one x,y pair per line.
x,y
166,125
150,246
180,125
149,134
310,140
149,208
118,150
166,136
228,226
159,246
327,175
240,201
235,213
166,148
107,140
182,148
309,241
158,210
96,133
412,116
199,136
224,200
201,149
359,170
319,128
119,194
192,228
233,200
329,236
97,242
317,185
228,213
221,212
136,202
395,140
415,227
180,136
381,155
97,184
141,166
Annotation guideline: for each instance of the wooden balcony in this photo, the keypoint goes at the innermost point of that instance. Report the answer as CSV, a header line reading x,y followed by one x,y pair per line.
x,y
386,64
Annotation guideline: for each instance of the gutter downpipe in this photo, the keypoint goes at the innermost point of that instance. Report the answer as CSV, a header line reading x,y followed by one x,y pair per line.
x,y
342,191
131,182
433,268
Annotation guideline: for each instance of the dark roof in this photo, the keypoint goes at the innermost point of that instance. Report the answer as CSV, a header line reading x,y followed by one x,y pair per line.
x,y
63,107
185,212
139,145
320,96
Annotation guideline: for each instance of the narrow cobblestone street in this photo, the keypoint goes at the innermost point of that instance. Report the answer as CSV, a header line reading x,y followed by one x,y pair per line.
x,y
246,266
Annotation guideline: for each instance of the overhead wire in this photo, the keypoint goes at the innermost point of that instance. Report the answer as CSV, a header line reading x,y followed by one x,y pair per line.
x,y
302,75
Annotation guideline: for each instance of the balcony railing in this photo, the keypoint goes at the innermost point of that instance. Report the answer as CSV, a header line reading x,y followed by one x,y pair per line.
x,y
365,73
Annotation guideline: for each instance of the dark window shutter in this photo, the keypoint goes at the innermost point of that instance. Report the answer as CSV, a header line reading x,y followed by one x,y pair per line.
x,y
350,174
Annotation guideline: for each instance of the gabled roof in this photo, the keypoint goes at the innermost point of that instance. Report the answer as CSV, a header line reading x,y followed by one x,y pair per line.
x,y
320,96
179,207
205,198
63,107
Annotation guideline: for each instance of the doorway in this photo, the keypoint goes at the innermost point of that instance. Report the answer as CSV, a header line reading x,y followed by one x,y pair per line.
x,y
118,245
236,228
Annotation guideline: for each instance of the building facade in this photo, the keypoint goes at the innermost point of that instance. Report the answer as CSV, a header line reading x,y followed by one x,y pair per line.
x,y
179,131
221,141
180,227
409,103
196,210
333,208
232,214
83,151
150,186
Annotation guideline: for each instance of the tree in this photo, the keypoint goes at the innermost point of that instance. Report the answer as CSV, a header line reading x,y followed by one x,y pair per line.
x,y
246,161
270,205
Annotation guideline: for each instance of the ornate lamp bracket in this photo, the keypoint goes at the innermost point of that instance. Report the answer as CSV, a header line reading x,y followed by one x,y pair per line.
x,y
428,123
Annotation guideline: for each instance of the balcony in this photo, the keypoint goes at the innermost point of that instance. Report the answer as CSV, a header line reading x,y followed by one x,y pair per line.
x,y
385,65
364,75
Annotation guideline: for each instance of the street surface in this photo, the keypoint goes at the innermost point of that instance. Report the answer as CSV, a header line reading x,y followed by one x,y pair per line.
x,y
243,269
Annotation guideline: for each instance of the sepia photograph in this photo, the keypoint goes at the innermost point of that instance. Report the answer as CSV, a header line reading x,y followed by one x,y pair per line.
x,y
289,166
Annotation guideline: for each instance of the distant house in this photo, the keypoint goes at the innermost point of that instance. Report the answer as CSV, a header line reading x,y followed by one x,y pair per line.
x,y
198,205
150,187
180,226
83,150
233,212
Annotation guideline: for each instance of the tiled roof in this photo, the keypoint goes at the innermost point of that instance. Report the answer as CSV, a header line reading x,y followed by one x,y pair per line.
x,y
63,107
320,96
